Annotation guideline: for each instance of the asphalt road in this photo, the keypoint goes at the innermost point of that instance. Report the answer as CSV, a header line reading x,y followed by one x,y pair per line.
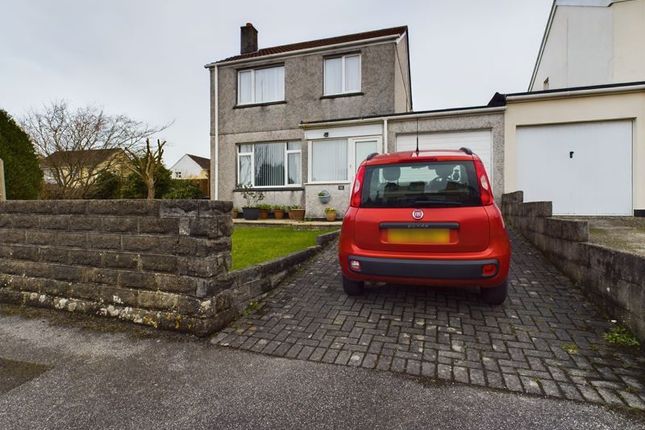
x,y
64,372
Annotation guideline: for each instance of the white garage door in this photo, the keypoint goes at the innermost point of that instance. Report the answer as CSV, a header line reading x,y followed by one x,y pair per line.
x,y
584,168
478,141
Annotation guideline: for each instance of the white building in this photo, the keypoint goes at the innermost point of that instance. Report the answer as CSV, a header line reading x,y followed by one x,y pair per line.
x,y
191,167
591,42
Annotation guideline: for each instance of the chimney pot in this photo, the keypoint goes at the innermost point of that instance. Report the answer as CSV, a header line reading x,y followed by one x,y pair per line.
x,y
248,39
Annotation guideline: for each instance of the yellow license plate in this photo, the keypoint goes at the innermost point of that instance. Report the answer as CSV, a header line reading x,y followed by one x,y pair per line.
x,y
431,236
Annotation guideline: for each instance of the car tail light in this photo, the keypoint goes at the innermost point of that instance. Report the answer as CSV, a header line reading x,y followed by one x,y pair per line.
x,y
485,190
355,265
357,188
489,270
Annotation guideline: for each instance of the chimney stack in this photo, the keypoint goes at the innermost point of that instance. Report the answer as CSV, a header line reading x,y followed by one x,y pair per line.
x,y
248,39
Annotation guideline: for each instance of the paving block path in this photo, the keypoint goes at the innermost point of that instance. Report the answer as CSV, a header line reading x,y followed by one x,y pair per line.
x,y
547,339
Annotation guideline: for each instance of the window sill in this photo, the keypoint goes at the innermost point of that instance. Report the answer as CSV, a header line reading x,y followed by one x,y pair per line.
x,y
335,96
250,105
262,189
329,183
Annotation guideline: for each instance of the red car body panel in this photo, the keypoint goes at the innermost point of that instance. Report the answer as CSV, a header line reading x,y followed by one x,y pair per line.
x,y
478,236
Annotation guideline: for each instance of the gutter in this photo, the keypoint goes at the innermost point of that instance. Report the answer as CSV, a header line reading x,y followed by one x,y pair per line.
x,y
575,93
306,50
403,117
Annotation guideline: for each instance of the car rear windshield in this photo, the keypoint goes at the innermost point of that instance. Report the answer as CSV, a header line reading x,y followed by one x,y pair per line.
x,y
421,184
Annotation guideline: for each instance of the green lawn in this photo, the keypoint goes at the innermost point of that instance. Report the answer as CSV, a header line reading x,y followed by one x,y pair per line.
x,y
253,245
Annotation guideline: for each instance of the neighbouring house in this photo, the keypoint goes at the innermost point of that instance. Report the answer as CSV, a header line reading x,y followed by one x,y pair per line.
x,y
194,168
591,42
77,168
260,98
191,167
580,144
577,137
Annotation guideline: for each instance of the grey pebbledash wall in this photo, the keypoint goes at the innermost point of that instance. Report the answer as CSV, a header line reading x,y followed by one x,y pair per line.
x,y
615,279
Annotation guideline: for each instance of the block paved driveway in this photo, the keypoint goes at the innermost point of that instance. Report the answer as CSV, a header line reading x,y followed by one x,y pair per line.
x,y
545,340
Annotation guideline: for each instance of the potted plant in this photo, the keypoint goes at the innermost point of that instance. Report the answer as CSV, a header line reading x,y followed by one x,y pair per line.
x,y
330,214
251,210
324,197
264,211
278,212
296,213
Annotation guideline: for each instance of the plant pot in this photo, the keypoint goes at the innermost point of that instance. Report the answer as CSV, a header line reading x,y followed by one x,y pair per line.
x,y
278,213
297,214
264,213
234,213
330,215
251,213
324,197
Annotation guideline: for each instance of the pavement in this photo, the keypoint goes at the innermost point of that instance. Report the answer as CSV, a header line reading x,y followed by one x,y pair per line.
x,y
621,233
60,371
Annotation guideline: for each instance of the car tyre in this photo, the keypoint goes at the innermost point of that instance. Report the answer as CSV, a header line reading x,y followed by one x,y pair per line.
x,y
495,295
353,288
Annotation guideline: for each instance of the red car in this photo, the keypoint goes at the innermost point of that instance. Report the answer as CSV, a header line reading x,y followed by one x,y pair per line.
x,y
425,218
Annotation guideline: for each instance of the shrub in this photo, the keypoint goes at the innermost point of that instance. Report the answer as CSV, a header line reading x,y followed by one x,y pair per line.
x,y
135,188
23,177
183,189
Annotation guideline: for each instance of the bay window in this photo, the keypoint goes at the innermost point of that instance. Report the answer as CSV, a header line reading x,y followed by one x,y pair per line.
x,y
263,85
342,74
275,164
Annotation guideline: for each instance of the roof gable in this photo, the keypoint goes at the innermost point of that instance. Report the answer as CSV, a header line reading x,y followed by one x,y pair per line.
x,y
204,163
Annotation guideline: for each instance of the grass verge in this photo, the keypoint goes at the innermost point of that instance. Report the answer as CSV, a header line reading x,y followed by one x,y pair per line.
x,y
257,244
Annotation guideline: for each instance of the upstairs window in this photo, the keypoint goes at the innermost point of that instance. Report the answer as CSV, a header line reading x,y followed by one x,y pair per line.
x,y
342,74
264,85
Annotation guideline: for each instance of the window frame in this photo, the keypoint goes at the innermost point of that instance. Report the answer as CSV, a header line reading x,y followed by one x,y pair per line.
x,y
254,101
343,58
286,153
351,157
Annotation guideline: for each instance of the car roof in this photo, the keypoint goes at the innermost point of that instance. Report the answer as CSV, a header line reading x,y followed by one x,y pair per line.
x,y
413,156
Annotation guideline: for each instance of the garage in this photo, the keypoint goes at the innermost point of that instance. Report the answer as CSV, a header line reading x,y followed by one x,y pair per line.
x,y
479,141
583,168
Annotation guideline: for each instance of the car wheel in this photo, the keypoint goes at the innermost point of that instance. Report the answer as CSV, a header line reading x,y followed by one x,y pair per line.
x,y
353,288
495,295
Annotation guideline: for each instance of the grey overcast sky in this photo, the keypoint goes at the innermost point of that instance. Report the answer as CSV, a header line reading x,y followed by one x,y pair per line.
x,y
145,58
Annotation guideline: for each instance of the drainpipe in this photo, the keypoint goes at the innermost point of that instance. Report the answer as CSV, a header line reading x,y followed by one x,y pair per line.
x,y
216,155
385,148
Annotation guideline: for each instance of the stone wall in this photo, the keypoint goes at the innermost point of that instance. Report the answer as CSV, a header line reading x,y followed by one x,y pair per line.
x,y
154,263
615,279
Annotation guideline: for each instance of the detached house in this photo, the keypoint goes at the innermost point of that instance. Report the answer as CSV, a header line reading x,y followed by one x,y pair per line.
x,y
295,120
261,97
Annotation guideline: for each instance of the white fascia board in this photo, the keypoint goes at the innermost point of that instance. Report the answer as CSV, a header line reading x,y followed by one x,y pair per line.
x,y
575,93
379,120
375,129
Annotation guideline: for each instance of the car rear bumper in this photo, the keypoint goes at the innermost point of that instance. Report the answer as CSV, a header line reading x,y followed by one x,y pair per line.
x,y
416,268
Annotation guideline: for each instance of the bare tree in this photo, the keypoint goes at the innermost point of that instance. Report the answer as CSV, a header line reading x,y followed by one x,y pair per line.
x,y
145,162
77,145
